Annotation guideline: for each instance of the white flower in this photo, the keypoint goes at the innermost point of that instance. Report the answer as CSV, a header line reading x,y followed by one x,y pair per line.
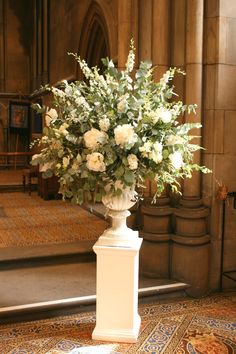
x,y
63,128
75,165
65,161
152,151
146,148
176,160
95,162
174,140
125,135
154,115
80,100
132,161
46,166
156,154
36,156
164,114
56,144
122,106
50,115
104,124
93,138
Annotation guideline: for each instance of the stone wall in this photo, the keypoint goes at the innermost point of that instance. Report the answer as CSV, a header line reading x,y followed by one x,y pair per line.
x,y
219,127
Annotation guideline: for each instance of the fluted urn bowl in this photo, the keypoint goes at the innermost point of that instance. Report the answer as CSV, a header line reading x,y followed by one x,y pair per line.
x,y
122,202
119,234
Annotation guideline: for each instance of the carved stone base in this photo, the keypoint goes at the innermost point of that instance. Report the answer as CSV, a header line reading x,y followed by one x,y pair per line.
x,y
155,255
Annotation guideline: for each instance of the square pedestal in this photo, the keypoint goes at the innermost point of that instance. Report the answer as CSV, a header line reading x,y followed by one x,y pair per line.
x,y
117,316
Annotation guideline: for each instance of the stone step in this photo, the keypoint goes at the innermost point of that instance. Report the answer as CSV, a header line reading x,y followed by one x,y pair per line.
x,y
11,257
46,309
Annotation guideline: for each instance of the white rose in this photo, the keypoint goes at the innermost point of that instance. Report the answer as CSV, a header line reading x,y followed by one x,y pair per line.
x,y
132,161
50,115
176,160
157,146
104,124
95,162
125,135
94,137
165,116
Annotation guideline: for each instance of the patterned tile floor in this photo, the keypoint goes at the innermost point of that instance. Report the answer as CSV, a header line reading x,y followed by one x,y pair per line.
x,y
193,326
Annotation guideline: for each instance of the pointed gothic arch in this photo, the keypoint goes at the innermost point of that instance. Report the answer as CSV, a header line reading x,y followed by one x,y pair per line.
x,y
94,42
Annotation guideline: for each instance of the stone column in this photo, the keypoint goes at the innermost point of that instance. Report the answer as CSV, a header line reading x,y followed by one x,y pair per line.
x,y
45,77
156,226
161,36
127,29
2,47
190,258
193,87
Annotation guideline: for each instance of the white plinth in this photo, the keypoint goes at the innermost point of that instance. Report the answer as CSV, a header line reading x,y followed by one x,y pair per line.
x,y
117,317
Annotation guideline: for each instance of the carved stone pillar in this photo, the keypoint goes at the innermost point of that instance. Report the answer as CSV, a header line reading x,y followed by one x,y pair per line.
x,y
190,257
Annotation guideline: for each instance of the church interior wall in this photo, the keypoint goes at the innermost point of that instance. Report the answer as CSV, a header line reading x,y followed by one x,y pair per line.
x,y
164,33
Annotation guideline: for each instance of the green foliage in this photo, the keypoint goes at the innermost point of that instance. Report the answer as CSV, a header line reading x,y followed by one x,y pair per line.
x,y
116,127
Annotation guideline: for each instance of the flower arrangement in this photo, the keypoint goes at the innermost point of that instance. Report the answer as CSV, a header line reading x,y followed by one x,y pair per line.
x,y
115,130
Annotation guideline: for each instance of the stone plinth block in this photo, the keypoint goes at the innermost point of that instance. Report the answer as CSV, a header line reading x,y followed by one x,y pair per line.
x,y
191,222
190,262
117,317
156,219
155,255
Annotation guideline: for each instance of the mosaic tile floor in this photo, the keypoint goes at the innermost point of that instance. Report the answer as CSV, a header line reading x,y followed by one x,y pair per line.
x,y
199,326
29,220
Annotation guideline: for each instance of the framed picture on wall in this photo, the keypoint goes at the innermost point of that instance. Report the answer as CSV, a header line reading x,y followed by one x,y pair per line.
x,y
19,115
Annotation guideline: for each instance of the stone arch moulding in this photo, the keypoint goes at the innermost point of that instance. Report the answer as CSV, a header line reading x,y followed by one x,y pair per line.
x,y
95,39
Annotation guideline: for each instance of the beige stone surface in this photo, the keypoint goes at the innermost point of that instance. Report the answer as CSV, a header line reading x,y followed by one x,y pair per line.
x,y
145,30
225,170
231,40
209,86
227,8
212,8
226,87
213,126
229,132
178,39
160,30
194,31
211,40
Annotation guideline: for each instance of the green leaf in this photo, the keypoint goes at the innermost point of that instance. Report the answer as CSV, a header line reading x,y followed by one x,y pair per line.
x,y
119,172
129,177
